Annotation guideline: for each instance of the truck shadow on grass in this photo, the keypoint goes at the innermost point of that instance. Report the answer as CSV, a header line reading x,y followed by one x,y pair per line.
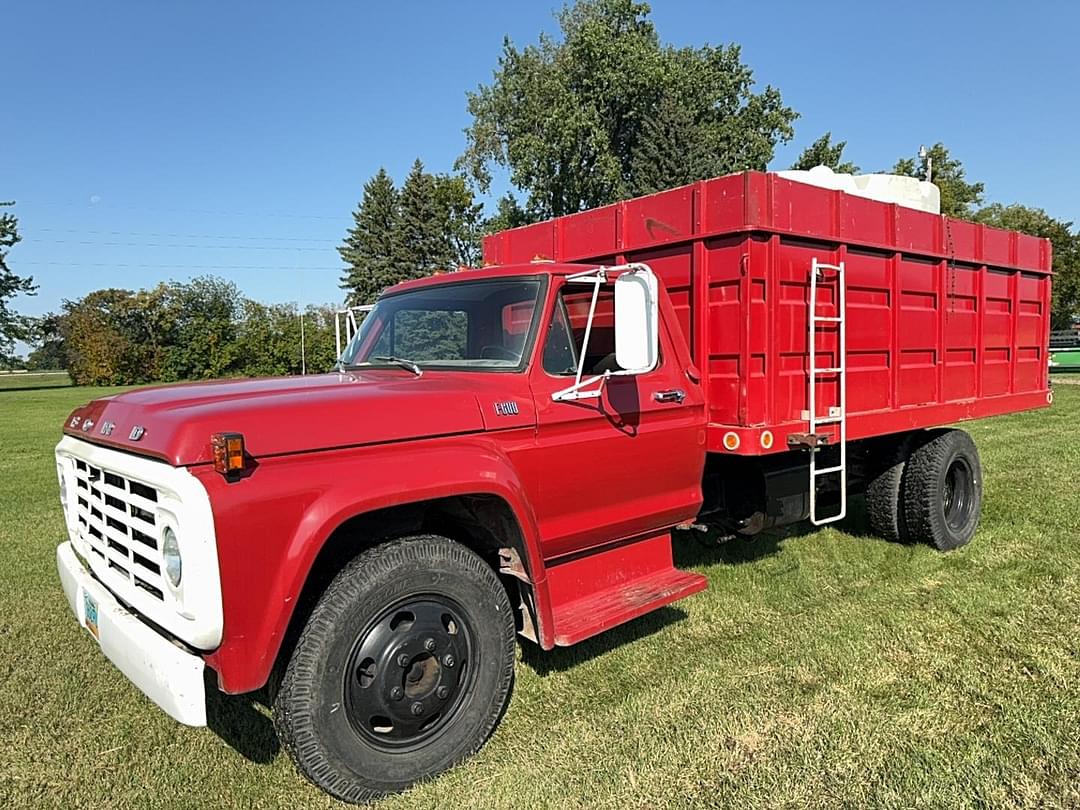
x,y
242,722
691,549
561,659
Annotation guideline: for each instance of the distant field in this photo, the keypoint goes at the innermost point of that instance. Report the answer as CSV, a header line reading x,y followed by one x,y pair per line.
x,y
820,669
34,379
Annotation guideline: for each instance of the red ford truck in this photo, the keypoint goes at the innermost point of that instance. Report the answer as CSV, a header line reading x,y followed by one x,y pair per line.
x,y
506,452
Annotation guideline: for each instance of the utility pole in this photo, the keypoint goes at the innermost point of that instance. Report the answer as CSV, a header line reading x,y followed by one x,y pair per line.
x,y
928,163
303,353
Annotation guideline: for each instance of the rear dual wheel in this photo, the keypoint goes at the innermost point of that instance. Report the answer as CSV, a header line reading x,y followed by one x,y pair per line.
x,y
929,489
402,671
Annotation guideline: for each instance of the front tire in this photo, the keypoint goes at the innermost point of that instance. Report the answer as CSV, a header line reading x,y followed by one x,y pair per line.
x,y
942,490
403,670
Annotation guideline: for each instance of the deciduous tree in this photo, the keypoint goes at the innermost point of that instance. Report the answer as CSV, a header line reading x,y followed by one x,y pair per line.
x,y
569,118
461,218
46,336
200,325
12,325
958,196
823,152
1065,305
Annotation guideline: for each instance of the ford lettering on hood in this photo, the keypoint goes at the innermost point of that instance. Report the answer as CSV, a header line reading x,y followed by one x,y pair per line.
x,y
290,414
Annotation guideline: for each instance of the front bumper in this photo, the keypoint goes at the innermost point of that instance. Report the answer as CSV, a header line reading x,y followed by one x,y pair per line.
x,y
167,674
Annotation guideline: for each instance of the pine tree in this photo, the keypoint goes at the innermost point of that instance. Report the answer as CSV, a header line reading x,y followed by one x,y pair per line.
x,y
421,245
670,151
368,249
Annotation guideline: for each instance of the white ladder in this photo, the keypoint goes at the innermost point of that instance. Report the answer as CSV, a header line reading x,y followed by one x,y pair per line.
x,y
837,415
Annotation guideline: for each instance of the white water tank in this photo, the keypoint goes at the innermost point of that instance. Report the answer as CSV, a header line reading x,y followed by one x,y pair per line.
x,y
891,188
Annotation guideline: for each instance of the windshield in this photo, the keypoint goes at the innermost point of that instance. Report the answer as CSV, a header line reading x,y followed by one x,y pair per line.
x,y
470,325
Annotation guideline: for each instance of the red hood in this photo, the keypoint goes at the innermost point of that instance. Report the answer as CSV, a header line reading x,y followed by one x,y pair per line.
x,y
285,414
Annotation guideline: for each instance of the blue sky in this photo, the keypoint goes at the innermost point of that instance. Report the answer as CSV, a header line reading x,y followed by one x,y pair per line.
x,y
147,141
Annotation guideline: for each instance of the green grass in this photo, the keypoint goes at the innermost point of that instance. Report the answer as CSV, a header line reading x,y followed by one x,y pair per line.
x,y
34,379
825,668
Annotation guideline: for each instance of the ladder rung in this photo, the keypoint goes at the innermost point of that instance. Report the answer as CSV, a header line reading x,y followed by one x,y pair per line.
x,y
825,420
827,370
827,470
837,268
827,319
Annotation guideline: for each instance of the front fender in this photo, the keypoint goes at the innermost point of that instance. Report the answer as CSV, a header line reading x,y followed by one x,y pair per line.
x,y
272,525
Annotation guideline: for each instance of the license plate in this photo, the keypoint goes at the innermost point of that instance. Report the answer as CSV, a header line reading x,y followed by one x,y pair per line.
x,y
90,614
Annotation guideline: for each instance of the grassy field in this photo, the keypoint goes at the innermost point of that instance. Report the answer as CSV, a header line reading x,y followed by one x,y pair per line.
x,y
33,380
823,668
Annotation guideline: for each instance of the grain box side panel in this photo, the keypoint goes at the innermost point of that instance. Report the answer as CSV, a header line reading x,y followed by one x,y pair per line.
x,y
674,266
725,365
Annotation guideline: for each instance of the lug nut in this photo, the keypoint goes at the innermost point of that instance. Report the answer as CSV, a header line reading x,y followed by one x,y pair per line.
x,y
397,693
403,660
429,645
442,692
417,709
448,660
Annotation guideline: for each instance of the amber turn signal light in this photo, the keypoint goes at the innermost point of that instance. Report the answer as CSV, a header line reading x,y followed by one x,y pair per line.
x,y
228,452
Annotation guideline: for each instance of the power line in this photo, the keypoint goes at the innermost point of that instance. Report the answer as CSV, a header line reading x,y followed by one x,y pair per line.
x,y
166,245
81,265
105,207
165,235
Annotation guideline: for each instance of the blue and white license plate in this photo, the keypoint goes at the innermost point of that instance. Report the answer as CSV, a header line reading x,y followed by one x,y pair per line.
x,y
90,614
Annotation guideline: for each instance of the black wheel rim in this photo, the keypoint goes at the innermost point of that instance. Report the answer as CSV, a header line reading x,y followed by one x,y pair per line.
x,y
958,494
409,671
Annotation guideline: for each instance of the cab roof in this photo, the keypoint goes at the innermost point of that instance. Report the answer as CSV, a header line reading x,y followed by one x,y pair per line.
x,y
495,272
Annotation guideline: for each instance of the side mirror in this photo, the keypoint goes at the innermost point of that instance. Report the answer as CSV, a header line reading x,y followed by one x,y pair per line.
x,y
636,320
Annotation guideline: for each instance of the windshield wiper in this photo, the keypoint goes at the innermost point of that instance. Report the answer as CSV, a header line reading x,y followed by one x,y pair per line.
x,y
409,365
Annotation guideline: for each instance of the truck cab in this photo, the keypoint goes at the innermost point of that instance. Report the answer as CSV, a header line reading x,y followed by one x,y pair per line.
x,y
501,451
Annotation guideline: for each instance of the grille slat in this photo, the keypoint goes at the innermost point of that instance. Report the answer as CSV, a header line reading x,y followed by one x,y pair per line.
x,y
116,521
106,532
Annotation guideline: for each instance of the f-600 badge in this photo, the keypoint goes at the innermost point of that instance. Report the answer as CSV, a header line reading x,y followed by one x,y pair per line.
x,y
508,408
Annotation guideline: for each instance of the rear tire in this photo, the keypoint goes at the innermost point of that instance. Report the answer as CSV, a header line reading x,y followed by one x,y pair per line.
x,y
941,490
884,510
403,670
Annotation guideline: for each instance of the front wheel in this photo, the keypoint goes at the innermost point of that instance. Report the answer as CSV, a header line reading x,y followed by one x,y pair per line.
x,y
402,671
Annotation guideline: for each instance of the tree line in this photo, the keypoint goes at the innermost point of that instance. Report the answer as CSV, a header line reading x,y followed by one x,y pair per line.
x,y
201,329
601,112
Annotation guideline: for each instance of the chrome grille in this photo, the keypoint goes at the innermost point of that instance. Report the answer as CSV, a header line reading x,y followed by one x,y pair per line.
x,y
116,522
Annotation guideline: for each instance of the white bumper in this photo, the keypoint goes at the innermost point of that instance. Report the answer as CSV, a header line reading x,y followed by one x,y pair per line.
x,y
170,676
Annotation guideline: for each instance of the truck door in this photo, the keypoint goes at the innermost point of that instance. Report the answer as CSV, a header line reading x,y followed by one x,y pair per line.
x,y
627,462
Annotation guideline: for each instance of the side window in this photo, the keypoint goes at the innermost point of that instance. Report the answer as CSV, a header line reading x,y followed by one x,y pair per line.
x,y
566,333
559,356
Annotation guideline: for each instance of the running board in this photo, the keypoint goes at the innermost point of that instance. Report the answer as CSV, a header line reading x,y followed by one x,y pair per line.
x,y
602,590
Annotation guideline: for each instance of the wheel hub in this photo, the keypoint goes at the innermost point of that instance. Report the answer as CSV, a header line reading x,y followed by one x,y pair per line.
x,y
957,496
407,672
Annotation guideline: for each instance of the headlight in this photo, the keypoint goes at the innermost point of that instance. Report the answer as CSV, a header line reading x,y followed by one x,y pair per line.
x,y
170,550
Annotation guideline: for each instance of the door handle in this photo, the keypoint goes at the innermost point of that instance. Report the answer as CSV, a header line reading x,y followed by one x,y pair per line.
x,y
671,395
